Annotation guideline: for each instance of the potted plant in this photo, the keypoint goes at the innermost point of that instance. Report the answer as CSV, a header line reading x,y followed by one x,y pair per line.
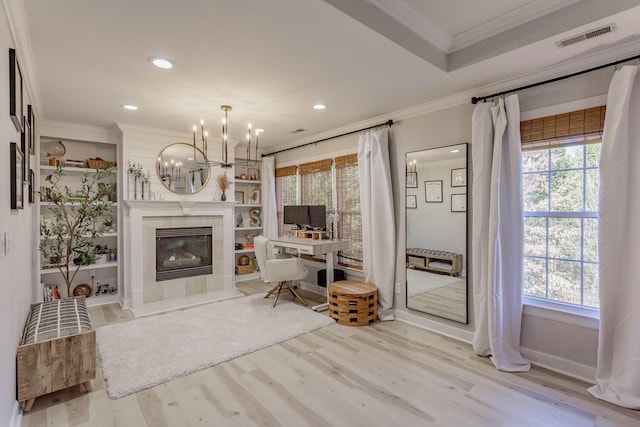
x,y
71,234
224,183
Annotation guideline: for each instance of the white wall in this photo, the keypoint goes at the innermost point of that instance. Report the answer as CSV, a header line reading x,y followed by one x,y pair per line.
x,y
18,267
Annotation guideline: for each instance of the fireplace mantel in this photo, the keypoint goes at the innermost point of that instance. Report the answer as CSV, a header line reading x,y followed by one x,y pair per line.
x,y
137,210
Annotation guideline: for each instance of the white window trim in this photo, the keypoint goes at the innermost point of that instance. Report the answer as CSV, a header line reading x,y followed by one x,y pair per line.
x,y
564,313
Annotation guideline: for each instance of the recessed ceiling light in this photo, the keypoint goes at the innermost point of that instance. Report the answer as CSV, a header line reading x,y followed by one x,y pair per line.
x,y
455,151
161,62
129,107
319,107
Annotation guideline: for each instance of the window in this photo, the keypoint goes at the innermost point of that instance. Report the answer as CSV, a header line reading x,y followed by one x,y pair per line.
x,y
348,198
560,178
286,192
330,182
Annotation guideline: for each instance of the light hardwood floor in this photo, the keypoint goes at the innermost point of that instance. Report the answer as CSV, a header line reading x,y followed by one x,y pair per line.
x,y
386,374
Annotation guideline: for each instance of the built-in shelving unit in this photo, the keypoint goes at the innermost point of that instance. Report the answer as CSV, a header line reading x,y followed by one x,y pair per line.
x,y
248,214
103,275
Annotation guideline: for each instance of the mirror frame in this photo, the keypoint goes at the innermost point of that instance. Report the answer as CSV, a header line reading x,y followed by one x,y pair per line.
x,y
159,168
465,265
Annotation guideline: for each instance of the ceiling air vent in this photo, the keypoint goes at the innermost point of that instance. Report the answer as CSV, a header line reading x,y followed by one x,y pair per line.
x,y
587,35
299,130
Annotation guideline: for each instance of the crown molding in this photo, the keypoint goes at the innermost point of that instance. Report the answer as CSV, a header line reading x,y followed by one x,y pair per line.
x,y
507,21
424,27
19,31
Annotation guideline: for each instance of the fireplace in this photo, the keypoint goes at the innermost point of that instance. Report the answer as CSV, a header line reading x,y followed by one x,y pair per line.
x,y
183,252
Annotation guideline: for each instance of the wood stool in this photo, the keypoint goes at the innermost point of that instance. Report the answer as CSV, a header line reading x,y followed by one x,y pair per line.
x,y
353,303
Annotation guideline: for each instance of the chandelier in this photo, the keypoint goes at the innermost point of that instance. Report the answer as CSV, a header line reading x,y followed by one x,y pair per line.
x,y
252,137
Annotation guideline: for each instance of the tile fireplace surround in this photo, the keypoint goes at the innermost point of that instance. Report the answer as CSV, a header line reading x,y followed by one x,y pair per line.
x,y
142,294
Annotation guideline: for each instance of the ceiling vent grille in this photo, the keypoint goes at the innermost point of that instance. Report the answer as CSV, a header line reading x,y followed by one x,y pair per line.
x,y
587,35
300,130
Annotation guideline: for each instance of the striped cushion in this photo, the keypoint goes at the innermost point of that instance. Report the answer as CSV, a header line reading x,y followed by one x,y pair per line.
x,y
56,319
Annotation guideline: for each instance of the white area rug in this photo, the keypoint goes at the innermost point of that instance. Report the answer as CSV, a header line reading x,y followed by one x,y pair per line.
x,y
419,281
152,350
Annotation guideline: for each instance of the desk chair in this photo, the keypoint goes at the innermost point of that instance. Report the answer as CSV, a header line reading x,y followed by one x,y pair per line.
x,y
282,271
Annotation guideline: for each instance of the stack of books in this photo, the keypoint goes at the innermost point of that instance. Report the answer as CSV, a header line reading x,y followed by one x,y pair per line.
x,y
51,292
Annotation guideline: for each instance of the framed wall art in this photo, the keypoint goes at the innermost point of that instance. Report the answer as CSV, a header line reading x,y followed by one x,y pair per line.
x,y
433,191
15,90
24,145
253,174
458,203
31,120
412,202
412,180
459,177
17,179
32,188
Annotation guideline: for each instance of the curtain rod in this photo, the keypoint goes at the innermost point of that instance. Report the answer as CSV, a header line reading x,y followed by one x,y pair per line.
x,y
387,123
477,99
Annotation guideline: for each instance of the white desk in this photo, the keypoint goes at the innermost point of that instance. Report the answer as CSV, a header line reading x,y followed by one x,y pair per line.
x,y
314,247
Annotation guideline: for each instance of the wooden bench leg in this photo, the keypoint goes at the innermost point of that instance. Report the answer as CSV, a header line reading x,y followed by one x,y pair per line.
x,y
28,404
85,387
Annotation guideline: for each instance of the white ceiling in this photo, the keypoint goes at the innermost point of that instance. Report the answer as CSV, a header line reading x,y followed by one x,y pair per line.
x,y
273,59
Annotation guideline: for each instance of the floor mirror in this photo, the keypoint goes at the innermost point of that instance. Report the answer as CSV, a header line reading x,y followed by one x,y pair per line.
x,y
436,232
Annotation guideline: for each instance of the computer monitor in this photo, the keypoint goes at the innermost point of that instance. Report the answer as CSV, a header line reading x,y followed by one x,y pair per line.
x,y
317,216
296,215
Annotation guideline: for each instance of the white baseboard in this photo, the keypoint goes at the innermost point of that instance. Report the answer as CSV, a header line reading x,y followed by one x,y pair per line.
x,y
434,326
16,415
560,365
544,360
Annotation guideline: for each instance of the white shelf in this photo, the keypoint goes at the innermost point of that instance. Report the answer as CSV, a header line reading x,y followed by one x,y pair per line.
x,y
247,205
73,169
102,299
244,251
248,181
248,228
84,267
245,277
45,204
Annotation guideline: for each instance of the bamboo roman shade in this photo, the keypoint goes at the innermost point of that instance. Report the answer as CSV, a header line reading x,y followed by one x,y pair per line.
x,y
315,167
581,123
286,171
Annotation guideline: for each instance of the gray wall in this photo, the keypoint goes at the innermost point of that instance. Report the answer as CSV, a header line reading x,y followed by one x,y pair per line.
x,y
18,267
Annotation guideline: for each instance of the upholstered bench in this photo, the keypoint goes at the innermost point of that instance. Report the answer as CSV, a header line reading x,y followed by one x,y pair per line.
x,y
57,350
432,260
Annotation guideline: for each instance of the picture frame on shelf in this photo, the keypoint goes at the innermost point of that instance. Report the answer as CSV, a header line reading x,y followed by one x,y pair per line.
x,y
253,174
254,198
433,191
15,90
459,177
412,202
17,179
412,180
458,203
239,197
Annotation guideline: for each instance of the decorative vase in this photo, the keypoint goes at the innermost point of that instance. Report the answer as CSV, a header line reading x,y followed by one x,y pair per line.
x,y
223,197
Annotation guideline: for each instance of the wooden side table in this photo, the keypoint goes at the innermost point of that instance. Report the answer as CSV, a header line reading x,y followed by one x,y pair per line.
x,y
353,303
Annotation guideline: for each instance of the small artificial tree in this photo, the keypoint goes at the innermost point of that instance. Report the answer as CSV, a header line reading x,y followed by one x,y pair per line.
x,y
73,232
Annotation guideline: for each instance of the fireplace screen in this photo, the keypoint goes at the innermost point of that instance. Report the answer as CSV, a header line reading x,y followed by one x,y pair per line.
x,y
183,252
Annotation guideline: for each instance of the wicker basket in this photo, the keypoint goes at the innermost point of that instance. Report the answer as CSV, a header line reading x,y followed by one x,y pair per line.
x,y
99,164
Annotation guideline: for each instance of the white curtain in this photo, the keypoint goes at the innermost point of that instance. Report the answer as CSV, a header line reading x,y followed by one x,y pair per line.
x,y
498,233
618,366
269,208
378,223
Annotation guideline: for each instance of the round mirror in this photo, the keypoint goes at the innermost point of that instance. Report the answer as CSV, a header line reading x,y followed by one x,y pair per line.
x,y
178,171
